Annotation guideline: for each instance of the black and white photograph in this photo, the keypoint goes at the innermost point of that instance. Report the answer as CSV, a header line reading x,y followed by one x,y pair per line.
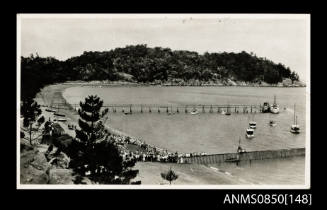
x,y
163,101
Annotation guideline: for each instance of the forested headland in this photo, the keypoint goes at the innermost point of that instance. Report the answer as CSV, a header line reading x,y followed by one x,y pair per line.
x,y
157,65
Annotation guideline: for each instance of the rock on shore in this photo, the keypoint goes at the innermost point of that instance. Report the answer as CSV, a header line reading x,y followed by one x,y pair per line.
x,y
36,168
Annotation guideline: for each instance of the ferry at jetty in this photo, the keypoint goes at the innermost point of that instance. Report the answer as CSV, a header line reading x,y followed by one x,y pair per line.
x,y
266,107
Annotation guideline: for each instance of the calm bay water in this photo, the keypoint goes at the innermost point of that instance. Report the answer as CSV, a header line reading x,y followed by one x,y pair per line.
x,y
210,132
205,132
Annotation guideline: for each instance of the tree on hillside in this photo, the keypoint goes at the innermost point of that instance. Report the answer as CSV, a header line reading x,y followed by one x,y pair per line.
x,y
93,152
170,176
30,110
294,77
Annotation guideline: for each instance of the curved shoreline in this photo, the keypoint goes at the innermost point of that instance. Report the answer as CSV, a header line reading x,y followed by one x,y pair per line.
x,y
50,92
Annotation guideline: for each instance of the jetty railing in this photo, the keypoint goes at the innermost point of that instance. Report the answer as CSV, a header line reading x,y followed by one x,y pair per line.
x,y
170,108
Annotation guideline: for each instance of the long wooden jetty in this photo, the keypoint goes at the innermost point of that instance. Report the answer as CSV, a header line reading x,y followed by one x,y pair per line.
x,y
247,156
171,108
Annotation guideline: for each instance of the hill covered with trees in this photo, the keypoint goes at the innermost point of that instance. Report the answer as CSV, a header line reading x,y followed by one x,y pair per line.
x,y
150,65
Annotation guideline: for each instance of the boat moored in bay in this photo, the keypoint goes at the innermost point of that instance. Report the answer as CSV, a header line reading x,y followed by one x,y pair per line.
x,y
194,111
253,124
274,108
295,128
249,133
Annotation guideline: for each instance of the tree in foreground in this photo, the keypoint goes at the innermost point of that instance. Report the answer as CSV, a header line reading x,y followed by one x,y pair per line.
x,y
93,153
170,176
30,110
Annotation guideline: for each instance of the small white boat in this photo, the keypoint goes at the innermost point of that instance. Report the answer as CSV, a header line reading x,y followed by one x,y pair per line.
x,y
223,112
249,133
252,125
274,108
62,120
194,111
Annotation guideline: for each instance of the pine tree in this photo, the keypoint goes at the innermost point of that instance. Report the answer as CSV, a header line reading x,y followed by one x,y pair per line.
x,y
30,110
170,176
93,152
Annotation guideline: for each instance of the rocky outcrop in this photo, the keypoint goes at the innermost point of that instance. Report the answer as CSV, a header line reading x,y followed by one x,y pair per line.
x,y
39,167
34,167
66,176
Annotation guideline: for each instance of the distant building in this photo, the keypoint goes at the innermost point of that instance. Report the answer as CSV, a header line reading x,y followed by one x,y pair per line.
x,y
287,82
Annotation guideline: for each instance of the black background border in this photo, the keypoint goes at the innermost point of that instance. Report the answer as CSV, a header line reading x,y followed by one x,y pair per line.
x,y
145,199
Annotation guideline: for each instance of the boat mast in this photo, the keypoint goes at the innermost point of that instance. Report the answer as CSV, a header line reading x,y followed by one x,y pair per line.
x,y
294,114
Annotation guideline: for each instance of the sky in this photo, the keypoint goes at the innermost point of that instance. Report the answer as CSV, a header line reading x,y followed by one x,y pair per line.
x,y
282,39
